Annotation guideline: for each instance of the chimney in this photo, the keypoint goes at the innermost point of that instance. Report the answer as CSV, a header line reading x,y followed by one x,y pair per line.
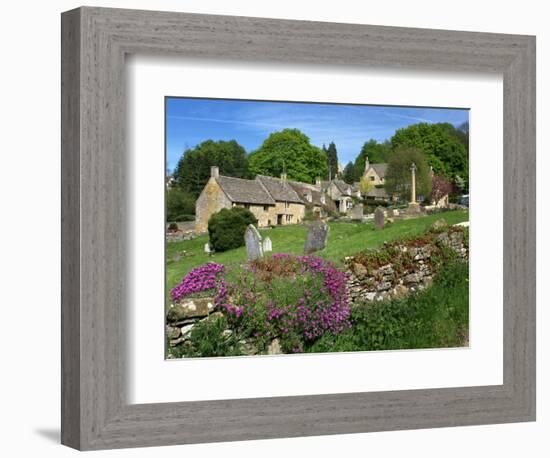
x,y
367,164
318,182
214,171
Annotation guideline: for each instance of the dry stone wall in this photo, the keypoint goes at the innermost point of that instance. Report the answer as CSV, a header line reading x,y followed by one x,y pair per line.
x,y
400,268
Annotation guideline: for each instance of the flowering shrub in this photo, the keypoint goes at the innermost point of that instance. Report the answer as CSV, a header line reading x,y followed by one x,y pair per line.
x,y
295,298
200,279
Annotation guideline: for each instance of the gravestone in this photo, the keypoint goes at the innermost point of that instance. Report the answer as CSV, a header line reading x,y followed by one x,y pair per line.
x,y
317,235
207,249
357,212
253,241
267,245
378,218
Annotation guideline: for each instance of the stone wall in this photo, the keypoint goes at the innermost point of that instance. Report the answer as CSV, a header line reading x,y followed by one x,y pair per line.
x,y
400,268
265,214
182,317
296,210
211,200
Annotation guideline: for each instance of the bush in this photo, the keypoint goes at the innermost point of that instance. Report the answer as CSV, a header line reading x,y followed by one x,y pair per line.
x,y
182,218
226,228
296,299
172,227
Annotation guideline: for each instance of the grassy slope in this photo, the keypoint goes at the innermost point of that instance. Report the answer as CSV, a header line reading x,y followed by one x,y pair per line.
x,y
344,239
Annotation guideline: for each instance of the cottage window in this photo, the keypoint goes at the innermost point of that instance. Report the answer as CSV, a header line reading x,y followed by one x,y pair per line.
x,y
265,208
371,178
286,205
247,206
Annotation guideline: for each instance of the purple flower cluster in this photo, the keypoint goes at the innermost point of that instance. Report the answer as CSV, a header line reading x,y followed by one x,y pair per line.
x,y
317,313
199,279
223,302
320,303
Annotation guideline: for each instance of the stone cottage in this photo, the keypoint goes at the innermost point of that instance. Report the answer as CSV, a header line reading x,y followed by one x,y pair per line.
x,y
273,201
341,193
375,173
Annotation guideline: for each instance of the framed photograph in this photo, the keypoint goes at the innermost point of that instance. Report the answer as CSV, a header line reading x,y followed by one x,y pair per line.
x,y
277,228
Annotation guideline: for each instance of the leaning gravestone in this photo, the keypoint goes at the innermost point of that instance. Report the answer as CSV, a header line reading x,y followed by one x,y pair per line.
x,y
267,245
378,218
317,235
253,241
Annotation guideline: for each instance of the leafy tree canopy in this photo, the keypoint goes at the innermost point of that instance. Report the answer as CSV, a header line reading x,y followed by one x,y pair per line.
x,y
442,145
332,161
349,173
179,204
289,150
193,169
462,132
365,185
398,175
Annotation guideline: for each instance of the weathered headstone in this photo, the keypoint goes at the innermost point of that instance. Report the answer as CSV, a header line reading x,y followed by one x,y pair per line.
x,y
317,235
378,218
253,241
357,212
207,249
267,245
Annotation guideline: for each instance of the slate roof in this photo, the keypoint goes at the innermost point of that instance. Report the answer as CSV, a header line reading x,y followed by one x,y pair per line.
x,y
380,169
280,190
244,191
343,186
303,189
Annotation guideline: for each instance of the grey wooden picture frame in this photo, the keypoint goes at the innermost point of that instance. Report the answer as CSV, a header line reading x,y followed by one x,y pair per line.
x,y
95,410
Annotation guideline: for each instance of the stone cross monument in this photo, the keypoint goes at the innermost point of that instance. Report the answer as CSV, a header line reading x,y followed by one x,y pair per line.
x,y
413,183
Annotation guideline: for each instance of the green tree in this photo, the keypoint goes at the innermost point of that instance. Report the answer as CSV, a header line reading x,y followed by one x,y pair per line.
x,y
440,143
349,173
179,204
193,169
365,185
462,132
398,175
332,161
290,151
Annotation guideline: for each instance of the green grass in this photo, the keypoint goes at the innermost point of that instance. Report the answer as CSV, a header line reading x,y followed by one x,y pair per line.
x,y
434,318
345,239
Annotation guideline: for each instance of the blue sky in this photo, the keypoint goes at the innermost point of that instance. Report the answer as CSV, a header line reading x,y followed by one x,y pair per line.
x,y
192,121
